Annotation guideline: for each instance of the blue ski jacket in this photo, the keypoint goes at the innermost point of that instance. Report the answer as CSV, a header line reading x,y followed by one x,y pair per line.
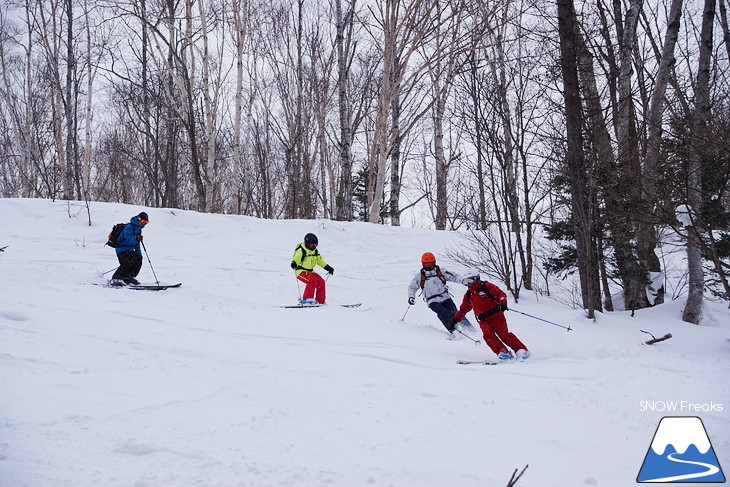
x,y
128,237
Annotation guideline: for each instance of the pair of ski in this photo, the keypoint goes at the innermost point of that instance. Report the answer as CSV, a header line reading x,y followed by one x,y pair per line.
x,y
487,362
479,362
354,305
146,287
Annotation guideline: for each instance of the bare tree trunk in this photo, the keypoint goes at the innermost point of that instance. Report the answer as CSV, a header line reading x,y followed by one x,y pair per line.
x,y
149,157
171,197
476,102
28,146
86,180
20,130
698,142
498,65
725,28
717,261
379,145
509,160
600,139
439,156
623,197
406,28
240,23
209,113
344,193
395,154
646,239
70,105
580,184
188,76
607,299
302,183
51,33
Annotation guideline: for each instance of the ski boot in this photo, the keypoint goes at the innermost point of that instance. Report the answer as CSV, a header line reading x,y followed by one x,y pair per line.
x,y
523,354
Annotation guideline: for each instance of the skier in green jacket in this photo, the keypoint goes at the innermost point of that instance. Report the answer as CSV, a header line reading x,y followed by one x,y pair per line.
x,y
306,256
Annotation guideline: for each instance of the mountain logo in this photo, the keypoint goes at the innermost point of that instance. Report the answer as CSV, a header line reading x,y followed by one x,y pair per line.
x,y
681,452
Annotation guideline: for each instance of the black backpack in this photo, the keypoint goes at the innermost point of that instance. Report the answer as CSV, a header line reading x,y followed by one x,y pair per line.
x,y
114,235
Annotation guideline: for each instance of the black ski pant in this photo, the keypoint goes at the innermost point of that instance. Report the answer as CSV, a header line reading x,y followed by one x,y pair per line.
x,y
445,310
129,265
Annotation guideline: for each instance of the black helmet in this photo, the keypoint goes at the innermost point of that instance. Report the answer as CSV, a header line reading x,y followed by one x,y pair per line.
x,y
311,238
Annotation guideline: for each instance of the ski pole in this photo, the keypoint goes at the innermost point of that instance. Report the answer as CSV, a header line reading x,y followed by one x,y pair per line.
x,y
107,272
150,262
299,291
541,319
476,342
404,314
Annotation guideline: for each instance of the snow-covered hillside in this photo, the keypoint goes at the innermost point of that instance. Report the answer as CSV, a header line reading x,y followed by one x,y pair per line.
x,y
212,384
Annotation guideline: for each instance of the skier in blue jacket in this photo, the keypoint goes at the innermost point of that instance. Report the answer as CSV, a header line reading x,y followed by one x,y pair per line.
x,y
129,252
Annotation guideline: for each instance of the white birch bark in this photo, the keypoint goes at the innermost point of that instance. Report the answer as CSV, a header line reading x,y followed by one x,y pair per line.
x,y
699,133
240,25
209,112
646,232
50,33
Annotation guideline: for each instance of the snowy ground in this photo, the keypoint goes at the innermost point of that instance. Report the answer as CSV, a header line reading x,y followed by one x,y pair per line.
x,y
212,385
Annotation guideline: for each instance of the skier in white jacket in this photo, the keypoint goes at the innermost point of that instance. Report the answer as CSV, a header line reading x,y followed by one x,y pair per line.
x,y
431,279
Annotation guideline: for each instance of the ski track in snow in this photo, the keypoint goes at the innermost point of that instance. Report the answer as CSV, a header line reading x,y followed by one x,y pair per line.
x,y
212,385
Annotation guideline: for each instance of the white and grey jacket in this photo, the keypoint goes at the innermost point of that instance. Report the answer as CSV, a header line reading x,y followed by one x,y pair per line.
x,y
435,289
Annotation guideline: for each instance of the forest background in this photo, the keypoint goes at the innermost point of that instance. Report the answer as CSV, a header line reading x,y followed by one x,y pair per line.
x,y
603,126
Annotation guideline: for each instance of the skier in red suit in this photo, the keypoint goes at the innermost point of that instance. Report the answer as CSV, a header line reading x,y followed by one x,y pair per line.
x,y
489,304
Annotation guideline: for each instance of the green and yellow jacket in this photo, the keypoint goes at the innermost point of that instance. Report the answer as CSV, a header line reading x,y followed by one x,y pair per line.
x,y
306,259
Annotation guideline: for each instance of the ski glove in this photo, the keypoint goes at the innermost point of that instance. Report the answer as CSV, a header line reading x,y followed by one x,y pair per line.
x,y
293,265
329,269
501,307
411,300
139,238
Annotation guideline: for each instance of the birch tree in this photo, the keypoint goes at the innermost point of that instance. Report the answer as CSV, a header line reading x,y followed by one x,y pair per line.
x,y
344,48
646,239
699,140
241,18
402,29
442,73
47,17
72,162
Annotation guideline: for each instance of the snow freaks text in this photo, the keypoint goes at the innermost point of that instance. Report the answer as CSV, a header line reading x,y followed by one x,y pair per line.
x,y
680,407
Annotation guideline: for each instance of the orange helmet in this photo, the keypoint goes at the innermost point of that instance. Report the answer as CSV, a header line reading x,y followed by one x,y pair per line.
x,y
428,258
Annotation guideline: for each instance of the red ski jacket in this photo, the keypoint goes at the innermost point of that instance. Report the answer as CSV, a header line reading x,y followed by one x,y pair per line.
x,y
485,299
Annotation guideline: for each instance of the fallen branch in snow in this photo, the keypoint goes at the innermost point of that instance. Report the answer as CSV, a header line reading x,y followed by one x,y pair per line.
x,y
513,481
655,339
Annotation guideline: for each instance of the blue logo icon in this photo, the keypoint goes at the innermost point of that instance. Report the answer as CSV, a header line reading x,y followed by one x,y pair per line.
x,y
681,452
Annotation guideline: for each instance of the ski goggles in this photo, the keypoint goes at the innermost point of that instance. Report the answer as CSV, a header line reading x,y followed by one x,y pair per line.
x,y
468,281
143,222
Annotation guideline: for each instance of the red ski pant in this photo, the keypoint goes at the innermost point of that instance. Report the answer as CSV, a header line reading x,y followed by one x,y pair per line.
x,y
315,287
496,334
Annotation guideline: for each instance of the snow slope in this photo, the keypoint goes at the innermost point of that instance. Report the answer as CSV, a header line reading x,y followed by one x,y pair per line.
x,y
212,385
